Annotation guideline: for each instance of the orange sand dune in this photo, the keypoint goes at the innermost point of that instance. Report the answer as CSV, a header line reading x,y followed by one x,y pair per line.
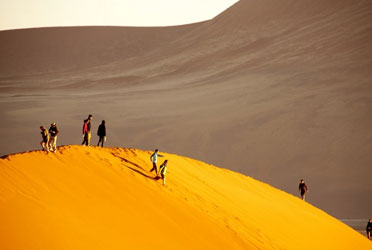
x,y
106,198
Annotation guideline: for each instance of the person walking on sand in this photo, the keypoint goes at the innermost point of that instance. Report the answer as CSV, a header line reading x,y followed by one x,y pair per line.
x,y
163,170
302,188
86,131
154,160
45,136
369,229
53,132
101,133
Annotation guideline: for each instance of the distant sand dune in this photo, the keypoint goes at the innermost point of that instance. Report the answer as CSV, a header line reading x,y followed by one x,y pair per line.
x,y
277,90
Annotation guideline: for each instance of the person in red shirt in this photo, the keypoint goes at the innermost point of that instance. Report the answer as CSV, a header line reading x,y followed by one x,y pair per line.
x,y
86,131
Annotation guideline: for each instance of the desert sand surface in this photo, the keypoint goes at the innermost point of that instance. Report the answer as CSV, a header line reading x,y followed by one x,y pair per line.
x,y
276,90
106,198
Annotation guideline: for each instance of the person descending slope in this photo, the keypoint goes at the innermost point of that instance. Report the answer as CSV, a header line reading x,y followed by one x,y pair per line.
x,y
163,170
53,132
101,133
45,136
154,160
302,188
86,131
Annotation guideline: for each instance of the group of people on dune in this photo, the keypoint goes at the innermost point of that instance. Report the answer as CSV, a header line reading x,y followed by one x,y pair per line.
x,y
49,143
101,132
162,167
49,137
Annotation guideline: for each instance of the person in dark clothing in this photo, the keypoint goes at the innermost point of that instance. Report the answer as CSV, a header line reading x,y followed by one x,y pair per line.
x,y
302,188
369,229
45,136
101,133
86,131
53,132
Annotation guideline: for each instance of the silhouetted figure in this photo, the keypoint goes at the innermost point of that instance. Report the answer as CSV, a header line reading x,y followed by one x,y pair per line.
x,y
369,229
53,133
163,170
45,136
154,160
302,188
101,133
86,131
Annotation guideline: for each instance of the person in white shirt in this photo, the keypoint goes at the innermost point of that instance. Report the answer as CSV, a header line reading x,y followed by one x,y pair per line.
x,y
154,160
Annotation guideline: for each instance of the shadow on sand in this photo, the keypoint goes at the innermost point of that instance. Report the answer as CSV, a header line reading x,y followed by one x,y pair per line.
x,y
135,169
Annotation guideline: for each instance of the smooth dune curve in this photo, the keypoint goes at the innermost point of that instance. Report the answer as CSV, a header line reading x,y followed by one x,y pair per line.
x,y
106,198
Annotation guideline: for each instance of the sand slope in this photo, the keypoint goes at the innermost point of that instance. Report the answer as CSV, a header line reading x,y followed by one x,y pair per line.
x,y
94,198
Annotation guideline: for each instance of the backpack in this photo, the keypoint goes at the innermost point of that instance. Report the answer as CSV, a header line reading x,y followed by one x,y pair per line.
x,y
45,134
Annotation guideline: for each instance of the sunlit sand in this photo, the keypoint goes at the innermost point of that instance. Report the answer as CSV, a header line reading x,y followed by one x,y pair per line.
x,y
106,198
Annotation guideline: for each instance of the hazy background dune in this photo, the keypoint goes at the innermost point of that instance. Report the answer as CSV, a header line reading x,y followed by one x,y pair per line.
x,y
276,90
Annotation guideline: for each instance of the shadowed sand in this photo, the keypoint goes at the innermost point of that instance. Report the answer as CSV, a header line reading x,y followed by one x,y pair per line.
x,y
95,198
277,90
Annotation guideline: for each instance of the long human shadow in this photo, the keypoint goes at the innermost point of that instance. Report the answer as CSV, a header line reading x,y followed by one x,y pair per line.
x,y
134,164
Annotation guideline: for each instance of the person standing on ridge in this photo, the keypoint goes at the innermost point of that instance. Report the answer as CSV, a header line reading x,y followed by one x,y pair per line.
x,y
154,160
86,131
163,170
101,133
302,188
52,143
45,136
369,229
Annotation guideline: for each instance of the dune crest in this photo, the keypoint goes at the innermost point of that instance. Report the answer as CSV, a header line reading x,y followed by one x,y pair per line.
x,y
106,198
